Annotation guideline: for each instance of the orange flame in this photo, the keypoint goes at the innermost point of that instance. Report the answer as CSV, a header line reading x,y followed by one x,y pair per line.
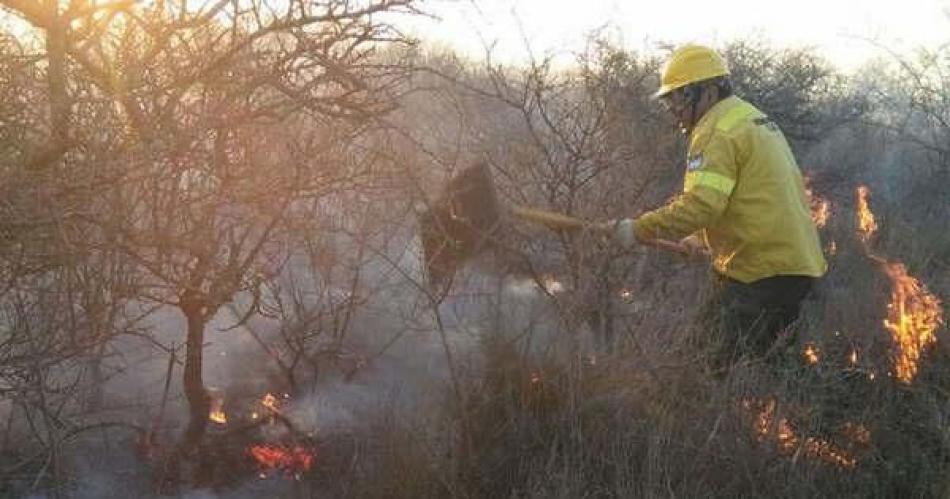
x,y
767,424
913,315
820,207
218,417
821,212
216,411
866,224
286,458
271,402
811,354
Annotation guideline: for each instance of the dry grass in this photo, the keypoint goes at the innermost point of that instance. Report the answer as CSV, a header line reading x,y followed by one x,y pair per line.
x,y
647,420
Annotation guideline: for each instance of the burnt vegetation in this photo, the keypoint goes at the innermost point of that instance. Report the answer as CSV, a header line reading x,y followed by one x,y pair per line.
x,y
211,277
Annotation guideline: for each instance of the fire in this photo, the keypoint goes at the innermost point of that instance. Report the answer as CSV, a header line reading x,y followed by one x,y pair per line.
x,y
216,411
866,224
811,354
853,357
820,207
285,458
271,402
913,315
821,212
218,416
767,424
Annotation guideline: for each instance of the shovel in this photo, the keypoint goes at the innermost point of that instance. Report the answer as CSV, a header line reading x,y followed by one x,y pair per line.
x,y
468,217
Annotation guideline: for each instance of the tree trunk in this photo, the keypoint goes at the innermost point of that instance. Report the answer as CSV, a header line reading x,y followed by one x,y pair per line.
x,y
198,402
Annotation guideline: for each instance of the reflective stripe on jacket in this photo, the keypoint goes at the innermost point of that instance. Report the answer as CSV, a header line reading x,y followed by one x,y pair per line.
x,y
744,193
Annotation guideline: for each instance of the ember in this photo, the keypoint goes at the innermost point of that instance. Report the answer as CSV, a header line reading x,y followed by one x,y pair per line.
x,y
281,458
769,425
820,207
271,402
811,354
832,248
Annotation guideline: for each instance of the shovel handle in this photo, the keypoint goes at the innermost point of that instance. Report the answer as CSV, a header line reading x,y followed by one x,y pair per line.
x,y
554,221
558,221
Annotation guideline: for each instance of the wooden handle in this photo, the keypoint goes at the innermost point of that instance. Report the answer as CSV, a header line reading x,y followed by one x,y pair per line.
x,y
558,221
551,220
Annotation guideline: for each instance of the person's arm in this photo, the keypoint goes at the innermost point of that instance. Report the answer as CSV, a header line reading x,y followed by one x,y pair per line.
x,y
708,185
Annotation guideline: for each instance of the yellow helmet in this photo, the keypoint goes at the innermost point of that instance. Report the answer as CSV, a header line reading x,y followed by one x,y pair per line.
x,y
690,64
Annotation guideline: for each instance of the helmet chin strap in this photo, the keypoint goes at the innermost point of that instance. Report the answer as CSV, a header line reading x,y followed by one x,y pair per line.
x,y
693,94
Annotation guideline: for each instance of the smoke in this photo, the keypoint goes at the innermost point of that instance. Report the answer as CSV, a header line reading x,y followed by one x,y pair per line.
x,y
396,358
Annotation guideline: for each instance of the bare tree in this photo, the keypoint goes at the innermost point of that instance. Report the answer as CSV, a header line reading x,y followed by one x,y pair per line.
x,y
227,119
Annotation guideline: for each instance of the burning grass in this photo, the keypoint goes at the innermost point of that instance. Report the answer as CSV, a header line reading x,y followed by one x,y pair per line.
x,y
291,460
641,421
913,313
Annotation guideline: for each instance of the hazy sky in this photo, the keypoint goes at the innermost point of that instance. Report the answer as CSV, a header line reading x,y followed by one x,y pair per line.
x,y
838,28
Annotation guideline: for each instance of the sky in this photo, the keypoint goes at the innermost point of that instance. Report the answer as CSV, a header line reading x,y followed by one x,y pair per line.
x,y
841,30
848,32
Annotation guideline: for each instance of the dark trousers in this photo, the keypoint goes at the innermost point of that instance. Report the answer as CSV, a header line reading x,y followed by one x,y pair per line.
x,y
749,319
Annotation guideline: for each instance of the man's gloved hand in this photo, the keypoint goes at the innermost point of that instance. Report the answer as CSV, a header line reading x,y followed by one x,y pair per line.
x,y
695,245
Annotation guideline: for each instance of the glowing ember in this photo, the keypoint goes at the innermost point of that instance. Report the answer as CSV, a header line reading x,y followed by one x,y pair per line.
x,y
913,315
767,424
857,433
271,402
866,224
853,357
284,458
821,213
811,354
832,248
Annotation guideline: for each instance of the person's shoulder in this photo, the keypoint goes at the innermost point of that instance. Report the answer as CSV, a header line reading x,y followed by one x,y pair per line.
x,y
736,115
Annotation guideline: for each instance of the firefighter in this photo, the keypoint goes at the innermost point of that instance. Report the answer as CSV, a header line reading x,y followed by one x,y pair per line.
x,y
743,201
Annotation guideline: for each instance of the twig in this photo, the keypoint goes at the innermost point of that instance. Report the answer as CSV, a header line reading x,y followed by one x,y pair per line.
x,y
39,475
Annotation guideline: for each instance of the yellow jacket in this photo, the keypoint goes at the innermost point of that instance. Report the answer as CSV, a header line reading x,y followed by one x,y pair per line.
x,y
744,194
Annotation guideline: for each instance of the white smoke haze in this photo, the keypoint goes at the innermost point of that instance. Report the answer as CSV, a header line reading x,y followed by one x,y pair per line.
x,y
392,362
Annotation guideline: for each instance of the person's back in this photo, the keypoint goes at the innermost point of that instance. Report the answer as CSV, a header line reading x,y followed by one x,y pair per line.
x,y
765,228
